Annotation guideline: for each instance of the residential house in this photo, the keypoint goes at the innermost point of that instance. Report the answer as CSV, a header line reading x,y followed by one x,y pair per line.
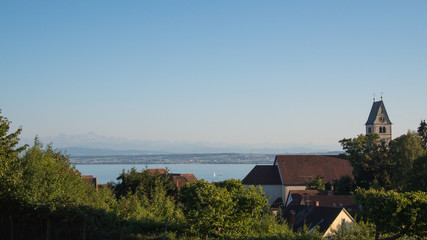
x,y
91,180
292,172
268,177
178,179
325,219
320,199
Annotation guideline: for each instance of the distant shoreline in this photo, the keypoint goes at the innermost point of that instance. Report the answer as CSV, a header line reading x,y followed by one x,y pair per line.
x,y
215,158
188,158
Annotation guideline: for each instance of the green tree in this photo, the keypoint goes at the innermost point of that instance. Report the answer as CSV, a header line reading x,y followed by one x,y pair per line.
x,y
369,156
355,231
417,177
49,181
393,213
422,131
144,182
229,210
404,150
316,184
248,204
206,207
344,186
10,173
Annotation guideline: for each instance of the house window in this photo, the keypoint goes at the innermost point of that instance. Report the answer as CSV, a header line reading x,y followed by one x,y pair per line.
x,y
369,130
384,130
381,130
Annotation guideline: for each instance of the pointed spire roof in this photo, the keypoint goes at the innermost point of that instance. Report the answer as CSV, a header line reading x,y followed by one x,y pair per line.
x,y
376,106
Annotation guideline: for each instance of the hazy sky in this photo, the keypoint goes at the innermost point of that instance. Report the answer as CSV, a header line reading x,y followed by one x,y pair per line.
x,y
220,71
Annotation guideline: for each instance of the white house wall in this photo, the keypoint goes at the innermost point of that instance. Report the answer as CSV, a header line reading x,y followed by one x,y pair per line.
x,y
343,217
289,188
271,191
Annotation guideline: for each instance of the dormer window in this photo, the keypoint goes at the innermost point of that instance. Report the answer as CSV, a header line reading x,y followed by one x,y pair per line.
x,y
369,130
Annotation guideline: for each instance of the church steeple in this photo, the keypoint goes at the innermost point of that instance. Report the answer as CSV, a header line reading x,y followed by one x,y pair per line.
x,y
378,120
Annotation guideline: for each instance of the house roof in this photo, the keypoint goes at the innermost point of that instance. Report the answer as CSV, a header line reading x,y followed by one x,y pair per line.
x,y
295,196
180,179
263,175
322,198
90,179
299,169
336,201
312,216
376,106
153,171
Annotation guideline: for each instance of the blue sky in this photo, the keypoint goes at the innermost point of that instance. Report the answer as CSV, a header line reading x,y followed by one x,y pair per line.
x,y
218,71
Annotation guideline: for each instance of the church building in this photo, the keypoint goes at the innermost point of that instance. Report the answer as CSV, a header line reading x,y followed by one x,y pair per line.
x,y
378,121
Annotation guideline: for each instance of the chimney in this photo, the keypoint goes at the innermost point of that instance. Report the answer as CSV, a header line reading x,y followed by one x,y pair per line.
x,y
291,217
317,203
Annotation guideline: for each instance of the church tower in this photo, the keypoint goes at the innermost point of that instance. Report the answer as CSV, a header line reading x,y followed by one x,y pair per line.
x,y
378,121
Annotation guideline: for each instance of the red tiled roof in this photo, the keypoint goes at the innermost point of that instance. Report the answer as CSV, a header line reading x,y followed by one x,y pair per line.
x,y
336,201
263,175
299,169
180,179
153,171
90,179
297,195
321,199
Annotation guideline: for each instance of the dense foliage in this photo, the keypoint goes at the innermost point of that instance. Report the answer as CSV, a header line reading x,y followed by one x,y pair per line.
x,y
379,164
398,214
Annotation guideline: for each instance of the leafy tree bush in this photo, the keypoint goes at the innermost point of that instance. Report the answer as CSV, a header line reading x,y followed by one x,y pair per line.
x,y
316,184
422,131
355,231
142,182
369,156
404,150
229,210
344,186
398,214
417,176
10,173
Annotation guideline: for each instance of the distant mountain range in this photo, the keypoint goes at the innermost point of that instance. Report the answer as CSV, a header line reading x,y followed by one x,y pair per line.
x,y
91,144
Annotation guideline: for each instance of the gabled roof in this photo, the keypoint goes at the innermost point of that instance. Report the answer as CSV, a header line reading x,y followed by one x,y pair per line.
x,y
321,217
91,180
180,179
263,175
376,106
153,171
299,169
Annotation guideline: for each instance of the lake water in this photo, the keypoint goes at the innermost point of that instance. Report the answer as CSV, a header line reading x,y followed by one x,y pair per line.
x,y
208,172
